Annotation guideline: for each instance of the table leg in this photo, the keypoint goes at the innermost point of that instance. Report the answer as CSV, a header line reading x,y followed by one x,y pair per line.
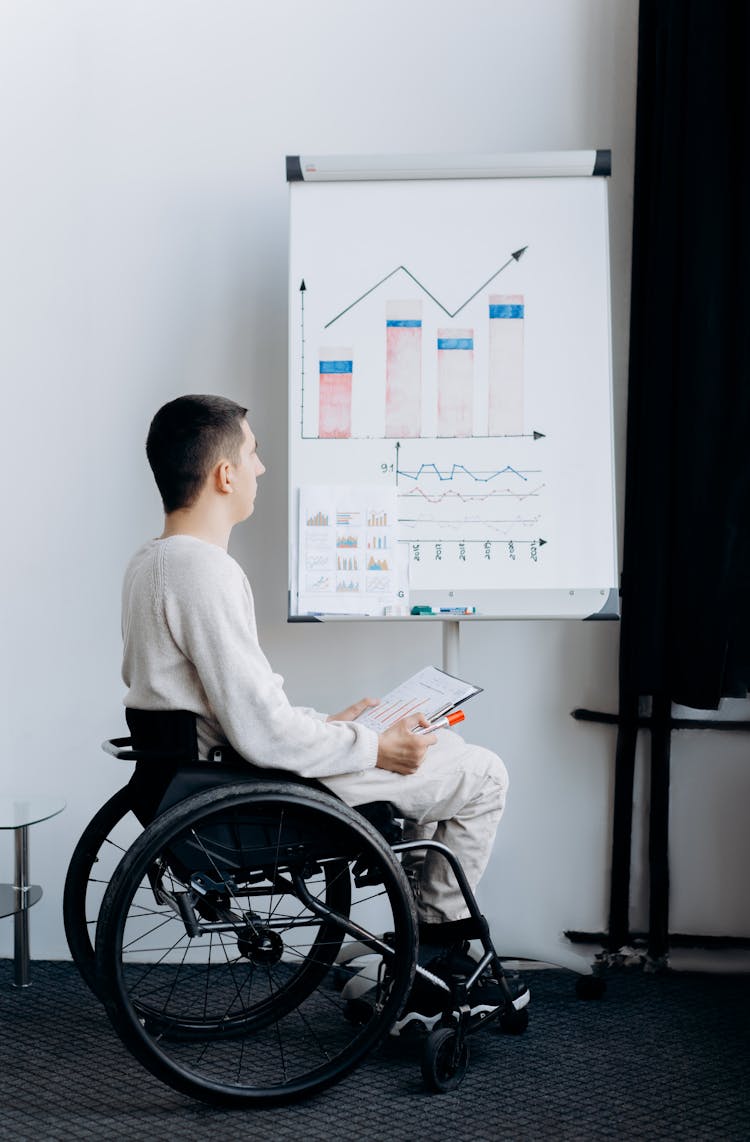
x,y
21,918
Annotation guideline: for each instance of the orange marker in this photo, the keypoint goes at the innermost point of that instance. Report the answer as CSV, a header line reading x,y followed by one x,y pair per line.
x,y
451,719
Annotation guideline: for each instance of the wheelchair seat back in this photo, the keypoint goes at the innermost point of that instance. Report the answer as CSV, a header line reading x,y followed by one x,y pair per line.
x,y
164,745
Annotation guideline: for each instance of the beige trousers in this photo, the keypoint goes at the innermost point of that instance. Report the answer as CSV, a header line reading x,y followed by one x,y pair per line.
x,y
457,796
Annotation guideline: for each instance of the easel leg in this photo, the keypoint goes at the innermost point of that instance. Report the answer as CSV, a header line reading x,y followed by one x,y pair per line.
x,y
451,655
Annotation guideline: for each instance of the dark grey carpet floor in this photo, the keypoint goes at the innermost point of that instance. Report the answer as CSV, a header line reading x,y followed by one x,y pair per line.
x,y
660,1057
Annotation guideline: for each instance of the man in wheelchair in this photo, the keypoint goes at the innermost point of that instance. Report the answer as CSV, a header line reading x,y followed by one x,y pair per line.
x,y
191,644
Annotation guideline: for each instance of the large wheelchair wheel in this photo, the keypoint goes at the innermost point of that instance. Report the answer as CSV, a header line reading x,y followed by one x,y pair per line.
x,y
219,936
103,843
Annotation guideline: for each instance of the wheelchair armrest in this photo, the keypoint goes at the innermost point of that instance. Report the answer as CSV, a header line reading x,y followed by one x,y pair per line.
x,y
117,747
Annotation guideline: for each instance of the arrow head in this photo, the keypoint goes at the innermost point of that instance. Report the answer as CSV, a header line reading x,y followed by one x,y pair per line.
x,y
542,542
539,435
302,285
517,254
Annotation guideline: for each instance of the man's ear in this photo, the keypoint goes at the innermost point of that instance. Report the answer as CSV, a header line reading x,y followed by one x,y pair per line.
x,y
223,478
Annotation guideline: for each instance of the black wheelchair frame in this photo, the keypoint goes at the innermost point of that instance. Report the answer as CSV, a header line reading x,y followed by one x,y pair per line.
x,y
257,939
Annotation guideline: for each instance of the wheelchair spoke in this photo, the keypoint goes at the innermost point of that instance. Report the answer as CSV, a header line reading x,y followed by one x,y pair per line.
x,y
144,935
113,845
174,980
231,965
152,969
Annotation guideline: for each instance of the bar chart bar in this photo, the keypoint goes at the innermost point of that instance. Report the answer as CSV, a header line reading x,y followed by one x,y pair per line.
x,y
455,362
506,317
335,394
403,383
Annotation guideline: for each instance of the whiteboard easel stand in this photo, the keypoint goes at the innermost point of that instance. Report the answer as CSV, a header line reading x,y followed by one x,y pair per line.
x,y
451,641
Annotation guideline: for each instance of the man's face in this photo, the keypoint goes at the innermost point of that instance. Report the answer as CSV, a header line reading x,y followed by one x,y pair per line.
x,y
246,473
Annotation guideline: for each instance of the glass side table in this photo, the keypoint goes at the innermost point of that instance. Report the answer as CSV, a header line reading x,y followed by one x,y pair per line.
x,y
16,899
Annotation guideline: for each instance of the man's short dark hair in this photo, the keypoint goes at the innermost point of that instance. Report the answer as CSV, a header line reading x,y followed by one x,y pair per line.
x,y
186,438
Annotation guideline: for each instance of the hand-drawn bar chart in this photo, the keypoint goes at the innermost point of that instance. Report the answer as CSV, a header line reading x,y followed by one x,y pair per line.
x,y
455,351
403,380
450,354
335,394
506,364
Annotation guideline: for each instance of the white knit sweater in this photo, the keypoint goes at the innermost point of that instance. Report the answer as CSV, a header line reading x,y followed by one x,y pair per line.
x,y
191,643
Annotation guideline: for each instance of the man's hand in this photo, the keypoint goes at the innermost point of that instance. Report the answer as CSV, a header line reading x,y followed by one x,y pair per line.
x,y
352,712
402,751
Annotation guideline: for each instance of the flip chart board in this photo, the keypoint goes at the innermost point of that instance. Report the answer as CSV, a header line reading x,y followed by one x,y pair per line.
x,y
450,386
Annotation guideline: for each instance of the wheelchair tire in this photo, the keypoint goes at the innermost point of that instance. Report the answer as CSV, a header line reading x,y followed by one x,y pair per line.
x,y
218,936
445,1060
102,845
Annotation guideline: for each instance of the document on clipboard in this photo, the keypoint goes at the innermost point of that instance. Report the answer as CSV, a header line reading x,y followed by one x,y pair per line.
x,y
431,691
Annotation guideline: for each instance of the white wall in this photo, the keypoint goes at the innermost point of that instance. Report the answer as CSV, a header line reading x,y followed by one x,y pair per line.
x,y
143,210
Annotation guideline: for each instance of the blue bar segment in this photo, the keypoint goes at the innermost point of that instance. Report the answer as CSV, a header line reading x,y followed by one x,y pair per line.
x,y
403,324
506,311
455,342
336,366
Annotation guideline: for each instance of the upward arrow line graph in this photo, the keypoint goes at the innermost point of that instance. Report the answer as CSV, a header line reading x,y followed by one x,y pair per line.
x,y
514,257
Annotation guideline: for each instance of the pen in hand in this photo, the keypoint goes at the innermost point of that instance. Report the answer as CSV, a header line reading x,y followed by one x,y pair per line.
x,y
451,719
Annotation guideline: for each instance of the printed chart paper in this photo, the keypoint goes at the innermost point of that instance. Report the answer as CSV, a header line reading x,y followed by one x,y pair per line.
x,y
431,692
349,561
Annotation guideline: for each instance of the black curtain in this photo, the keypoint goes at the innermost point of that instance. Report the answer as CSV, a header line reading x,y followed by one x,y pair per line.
x,y
686,558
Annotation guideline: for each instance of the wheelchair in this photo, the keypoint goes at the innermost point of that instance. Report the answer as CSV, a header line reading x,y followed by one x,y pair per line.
x,y
251,937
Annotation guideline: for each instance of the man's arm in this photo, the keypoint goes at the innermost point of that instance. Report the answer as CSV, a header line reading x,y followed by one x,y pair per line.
x,y
209,610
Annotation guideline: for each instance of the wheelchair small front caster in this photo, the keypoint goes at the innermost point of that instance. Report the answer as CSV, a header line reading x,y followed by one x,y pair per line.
x,y
445,1059
514,1022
